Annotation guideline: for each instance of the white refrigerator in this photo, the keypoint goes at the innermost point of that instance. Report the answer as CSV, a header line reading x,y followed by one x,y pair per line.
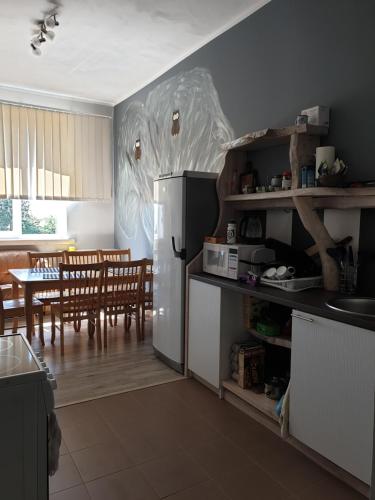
x,y
185,211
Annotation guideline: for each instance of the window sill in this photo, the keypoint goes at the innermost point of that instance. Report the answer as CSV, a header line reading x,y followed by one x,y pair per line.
x,y
20,242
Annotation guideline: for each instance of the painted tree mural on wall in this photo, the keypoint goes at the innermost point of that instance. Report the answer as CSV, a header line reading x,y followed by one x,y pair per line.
x,y
195,143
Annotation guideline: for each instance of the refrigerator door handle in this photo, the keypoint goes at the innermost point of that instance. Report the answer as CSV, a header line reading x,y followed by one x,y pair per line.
x,y
179,254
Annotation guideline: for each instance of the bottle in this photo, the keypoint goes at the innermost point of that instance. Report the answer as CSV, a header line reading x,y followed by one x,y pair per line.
x,y
231,232
310,176
286,183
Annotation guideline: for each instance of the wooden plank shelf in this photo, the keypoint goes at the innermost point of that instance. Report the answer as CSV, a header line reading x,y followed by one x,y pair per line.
x,y
279,340
270,137
318,192
258,401
322,197
303,141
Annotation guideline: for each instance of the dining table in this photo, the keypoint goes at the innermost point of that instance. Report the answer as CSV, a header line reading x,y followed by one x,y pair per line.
x,y
35,280
32,281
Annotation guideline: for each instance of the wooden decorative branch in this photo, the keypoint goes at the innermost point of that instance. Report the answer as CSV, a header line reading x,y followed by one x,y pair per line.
x,y
319,233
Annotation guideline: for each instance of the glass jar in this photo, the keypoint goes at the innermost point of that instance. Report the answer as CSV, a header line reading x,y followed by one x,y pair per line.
x,y
276,181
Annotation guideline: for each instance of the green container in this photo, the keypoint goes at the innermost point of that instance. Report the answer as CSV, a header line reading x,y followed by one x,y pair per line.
x,y
268,328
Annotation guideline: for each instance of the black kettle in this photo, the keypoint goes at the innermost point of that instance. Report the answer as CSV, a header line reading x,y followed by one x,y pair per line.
x,y
251,229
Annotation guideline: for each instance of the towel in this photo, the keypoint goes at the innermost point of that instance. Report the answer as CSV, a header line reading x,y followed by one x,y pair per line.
x,y
284,415
54,442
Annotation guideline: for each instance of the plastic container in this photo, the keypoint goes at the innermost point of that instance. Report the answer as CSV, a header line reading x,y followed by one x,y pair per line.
x,y
231,233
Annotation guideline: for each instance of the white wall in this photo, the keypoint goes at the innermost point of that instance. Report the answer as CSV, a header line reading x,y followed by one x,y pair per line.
x,y
91,224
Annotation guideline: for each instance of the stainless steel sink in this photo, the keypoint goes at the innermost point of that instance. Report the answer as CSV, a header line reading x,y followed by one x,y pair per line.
x,y
358,306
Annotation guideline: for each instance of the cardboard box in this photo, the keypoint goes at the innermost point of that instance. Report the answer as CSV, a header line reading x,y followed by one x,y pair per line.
x,y
318,115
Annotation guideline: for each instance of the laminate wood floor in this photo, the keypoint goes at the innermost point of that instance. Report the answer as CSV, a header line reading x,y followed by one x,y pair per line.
x,y
86,372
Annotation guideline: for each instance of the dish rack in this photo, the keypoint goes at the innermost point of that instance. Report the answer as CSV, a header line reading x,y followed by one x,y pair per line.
x,y
294,284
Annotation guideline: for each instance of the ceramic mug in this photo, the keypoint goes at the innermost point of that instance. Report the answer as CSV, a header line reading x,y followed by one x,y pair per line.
x,y
270,273
284,272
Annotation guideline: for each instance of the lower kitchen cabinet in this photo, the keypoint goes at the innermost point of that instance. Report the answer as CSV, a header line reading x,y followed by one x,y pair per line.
x,y
215,323
332,391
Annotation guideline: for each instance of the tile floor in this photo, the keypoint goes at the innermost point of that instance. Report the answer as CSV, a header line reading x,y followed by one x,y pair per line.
x,y
179,441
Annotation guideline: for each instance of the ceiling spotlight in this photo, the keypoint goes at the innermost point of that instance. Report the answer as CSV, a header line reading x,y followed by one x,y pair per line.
x,y
51,21
36,42
36,50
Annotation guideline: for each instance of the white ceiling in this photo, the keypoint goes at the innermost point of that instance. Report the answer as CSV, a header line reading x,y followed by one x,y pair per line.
x,y
105,50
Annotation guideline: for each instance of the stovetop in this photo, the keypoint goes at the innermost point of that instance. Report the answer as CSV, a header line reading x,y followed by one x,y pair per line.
x,y
16,357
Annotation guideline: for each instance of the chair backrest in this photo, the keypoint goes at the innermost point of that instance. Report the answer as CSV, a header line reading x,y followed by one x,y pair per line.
x,y
80,287
123,255
122,284
1,304
2,319
45,259
147,279
81,257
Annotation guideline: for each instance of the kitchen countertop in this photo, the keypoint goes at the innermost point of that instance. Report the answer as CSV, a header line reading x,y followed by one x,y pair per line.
x,y
311,301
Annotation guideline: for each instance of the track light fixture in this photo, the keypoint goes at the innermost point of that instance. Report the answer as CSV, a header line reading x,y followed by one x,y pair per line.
x,y
43,32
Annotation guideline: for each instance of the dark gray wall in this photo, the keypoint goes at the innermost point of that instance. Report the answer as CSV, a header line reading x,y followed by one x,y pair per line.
x,y
290,55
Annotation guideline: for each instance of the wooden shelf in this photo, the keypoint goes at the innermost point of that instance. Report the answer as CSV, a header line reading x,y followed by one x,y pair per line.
x,y
270,137
259,401
280,341
323,197
303,141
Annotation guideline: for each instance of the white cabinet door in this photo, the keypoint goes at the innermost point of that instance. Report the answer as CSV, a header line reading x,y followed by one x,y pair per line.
x,y
204,331
332,391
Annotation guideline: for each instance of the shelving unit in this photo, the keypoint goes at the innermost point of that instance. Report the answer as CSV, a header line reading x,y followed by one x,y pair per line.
x,y
258,401
303,141
280,340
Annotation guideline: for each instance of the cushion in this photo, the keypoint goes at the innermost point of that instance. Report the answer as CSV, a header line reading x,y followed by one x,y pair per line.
x,y
11,259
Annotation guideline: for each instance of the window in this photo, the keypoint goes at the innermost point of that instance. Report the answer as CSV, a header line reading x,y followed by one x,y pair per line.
x,y
33,219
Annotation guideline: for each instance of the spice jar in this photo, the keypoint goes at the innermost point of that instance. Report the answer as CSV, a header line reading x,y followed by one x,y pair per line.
x,y
286,182
276,181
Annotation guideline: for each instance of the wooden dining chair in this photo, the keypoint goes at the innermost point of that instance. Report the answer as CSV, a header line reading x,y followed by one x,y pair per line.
x,y
122,281
43,260
81,257
146,291
118,255
115,255
40,260
15,308
79,300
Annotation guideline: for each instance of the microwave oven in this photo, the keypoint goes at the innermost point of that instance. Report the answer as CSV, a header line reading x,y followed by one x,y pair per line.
x,y
228,261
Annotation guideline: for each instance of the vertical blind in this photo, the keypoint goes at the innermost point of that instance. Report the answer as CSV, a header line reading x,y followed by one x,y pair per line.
x,y
54,155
